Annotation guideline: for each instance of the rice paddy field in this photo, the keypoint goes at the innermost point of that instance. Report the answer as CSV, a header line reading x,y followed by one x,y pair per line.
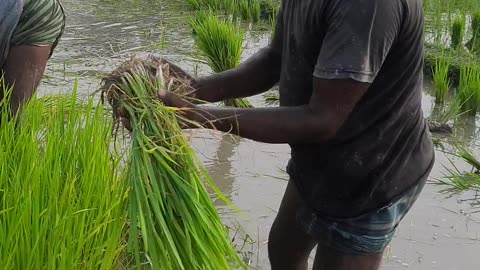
x,y
442,231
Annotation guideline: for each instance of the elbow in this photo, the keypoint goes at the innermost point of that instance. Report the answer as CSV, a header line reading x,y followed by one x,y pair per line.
x,y
324,131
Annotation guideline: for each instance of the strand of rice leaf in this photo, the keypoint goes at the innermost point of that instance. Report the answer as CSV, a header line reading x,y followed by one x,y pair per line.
x,y
178,223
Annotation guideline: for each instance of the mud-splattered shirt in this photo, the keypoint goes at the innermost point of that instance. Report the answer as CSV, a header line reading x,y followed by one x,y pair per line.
x,y
384,147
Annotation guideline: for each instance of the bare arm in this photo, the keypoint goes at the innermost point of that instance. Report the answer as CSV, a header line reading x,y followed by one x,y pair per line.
x,y
316,122
24,69
257,75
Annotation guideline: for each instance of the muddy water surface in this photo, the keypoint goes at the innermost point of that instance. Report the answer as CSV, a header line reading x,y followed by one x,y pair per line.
x,y
440,232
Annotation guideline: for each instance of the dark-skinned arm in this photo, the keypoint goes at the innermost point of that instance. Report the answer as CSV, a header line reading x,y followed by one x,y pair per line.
x,y
256,75
331,103
24,69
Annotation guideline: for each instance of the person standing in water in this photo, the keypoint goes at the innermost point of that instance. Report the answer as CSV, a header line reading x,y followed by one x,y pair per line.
x,y
29,32
350,79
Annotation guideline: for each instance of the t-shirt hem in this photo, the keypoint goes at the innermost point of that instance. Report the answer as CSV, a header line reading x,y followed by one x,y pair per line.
x,y
420,180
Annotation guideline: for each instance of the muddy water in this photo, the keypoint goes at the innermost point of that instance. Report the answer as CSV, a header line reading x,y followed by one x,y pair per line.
x,y
440,232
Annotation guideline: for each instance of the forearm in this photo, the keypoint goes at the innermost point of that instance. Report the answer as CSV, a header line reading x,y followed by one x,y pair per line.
x,y
256,75
23,70
297,125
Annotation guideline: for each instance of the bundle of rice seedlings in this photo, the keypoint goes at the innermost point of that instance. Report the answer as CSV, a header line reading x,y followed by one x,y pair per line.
x,y
457,33
441,81
220,42
168,202
61,204
469,88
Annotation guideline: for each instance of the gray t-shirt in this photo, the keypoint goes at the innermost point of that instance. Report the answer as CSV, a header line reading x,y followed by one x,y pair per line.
x,y
384,148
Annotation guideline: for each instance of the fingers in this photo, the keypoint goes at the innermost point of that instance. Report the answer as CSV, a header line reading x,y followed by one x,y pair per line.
x,y
179,72
126,123
171,99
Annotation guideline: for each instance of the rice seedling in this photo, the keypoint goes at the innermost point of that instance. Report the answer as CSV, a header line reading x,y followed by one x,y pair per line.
x,y
269,9
469,88
272,98
195,4
221,44
62,206
460,181
449,112
440,79
205,4
169,206
249,9
474,43
457,33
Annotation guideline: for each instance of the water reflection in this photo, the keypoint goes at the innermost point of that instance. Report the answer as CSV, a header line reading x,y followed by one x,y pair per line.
x,y
221,168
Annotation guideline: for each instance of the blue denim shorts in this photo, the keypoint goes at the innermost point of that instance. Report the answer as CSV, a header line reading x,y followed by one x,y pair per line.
x,y
366,234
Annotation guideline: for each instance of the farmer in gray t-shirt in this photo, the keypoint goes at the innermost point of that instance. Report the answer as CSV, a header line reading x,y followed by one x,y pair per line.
x,y
350,77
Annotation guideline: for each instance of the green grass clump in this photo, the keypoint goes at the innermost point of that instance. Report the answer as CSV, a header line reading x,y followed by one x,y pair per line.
x,y
469,88
168,202
221,44
61,204
457,33
440,80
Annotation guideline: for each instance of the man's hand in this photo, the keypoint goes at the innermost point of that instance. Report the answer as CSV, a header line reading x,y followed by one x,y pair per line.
x,y
170,99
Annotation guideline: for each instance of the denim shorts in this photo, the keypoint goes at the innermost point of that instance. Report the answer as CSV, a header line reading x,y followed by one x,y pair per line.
x,y
366,234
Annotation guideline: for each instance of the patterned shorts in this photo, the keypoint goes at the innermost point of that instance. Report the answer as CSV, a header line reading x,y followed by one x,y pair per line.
x,y
366,234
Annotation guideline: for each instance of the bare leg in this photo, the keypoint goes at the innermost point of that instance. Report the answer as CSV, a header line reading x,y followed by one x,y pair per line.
x,y
327,259
289,246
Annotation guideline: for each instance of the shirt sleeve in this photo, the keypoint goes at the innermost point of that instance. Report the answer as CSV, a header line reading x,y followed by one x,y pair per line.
x,y
41,24
358,38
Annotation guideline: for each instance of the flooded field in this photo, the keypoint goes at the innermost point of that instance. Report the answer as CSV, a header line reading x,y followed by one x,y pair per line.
x,y
441,231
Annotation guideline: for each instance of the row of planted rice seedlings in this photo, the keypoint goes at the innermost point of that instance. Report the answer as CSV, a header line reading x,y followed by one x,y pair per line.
x,y
61,204
252,10
468,92
169,206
